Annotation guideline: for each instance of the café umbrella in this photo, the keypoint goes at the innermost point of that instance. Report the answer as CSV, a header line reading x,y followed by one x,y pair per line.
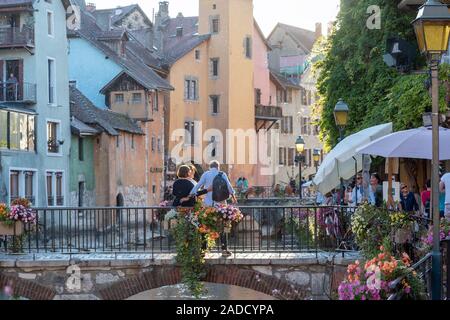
x,y
414,144
343,161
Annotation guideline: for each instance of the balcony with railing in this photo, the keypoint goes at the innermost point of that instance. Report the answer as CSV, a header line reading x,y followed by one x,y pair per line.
x,y
268,112
16,37
20,92
267,116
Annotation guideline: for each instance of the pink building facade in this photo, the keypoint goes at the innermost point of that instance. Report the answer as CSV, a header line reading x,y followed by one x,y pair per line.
x,y
262,86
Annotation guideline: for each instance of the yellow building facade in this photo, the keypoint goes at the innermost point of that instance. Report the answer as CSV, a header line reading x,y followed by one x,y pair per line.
x,y
214,89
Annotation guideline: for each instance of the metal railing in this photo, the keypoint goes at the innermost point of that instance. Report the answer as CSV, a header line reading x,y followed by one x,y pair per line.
x,y
17,92
16,36
263,229
423,269
269,192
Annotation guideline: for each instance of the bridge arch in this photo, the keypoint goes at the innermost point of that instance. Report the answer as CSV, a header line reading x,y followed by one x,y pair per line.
x,y
26,288
218,274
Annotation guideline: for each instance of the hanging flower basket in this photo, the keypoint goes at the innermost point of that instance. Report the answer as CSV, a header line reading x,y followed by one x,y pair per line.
x,y
15,229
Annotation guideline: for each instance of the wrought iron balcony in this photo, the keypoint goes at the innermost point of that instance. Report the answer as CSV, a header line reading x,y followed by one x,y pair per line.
x,y
16,37
22,92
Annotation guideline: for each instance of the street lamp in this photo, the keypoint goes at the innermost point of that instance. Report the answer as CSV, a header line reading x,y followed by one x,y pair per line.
x,y
432,27
299,158
341,111
316,157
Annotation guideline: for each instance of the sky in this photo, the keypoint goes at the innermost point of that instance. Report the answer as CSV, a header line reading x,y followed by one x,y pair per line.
x,y
300,13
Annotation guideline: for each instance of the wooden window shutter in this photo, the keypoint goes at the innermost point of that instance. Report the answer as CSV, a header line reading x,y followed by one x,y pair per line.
x,y
211,66
291,125
186,89
20,80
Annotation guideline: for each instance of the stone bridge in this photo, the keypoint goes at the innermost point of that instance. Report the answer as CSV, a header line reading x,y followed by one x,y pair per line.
x,y
300,276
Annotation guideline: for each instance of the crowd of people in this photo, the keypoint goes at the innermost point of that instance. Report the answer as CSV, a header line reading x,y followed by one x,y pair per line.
x,y
355,194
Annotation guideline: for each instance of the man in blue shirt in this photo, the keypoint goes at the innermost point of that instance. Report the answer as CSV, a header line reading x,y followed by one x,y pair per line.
x,y
206,181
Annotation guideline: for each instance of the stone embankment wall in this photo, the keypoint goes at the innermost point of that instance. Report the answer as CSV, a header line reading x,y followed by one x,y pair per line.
x,y
286,277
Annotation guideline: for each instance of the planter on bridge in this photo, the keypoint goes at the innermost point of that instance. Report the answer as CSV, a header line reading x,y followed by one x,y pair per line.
x,y
15,229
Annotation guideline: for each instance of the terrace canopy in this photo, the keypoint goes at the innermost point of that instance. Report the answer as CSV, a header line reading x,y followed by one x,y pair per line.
x,y
343,160
414,144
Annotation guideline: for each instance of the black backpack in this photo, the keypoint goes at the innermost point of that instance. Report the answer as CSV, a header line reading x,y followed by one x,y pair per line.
x,y
220,188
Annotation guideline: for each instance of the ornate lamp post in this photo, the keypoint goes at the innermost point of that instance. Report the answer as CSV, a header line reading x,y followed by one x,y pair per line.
x,y
341,111
316,157
299,158
432,27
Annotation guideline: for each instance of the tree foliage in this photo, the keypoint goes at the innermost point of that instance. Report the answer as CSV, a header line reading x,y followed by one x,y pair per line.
x,y
352,68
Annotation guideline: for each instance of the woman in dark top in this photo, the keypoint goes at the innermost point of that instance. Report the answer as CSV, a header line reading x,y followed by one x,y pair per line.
x,y
182,188
408,201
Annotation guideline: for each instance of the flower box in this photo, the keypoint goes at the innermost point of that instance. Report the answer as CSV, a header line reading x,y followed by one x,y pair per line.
x,y
15,229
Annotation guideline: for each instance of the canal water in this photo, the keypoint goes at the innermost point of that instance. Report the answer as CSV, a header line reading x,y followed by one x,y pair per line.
x,y
214,292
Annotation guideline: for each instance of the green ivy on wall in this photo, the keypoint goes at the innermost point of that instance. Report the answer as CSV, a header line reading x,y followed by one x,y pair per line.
x,y
352,68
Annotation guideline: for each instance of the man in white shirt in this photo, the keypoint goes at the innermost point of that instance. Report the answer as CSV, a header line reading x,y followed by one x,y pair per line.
x,y
445,187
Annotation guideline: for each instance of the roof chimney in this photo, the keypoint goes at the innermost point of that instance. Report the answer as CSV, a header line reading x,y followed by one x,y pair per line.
x,y
163,9
318,30
91,7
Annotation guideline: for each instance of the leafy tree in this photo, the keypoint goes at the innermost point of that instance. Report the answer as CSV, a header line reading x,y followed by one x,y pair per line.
x,y
352,68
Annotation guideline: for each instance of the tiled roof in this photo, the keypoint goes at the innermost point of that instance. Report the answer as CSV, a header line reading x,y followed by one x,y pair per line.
x,y
182,48
11,3
135,68
110,34
117,14
175,47
283,81
135,50
303,37
80,128
111,122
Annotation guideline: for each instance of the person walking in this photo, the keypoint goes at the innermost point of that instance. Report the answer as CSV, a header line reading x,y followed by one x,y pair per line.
x,y
444,187
207,182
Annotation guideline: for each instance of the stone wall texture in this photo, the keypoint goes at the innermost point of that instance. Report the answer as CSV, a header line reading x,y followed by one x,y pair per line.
x,y
117,280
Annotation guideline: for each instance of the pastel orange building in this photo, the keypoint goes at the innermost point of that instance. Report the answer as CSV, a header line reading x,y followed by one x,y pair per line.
x,y
213,60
